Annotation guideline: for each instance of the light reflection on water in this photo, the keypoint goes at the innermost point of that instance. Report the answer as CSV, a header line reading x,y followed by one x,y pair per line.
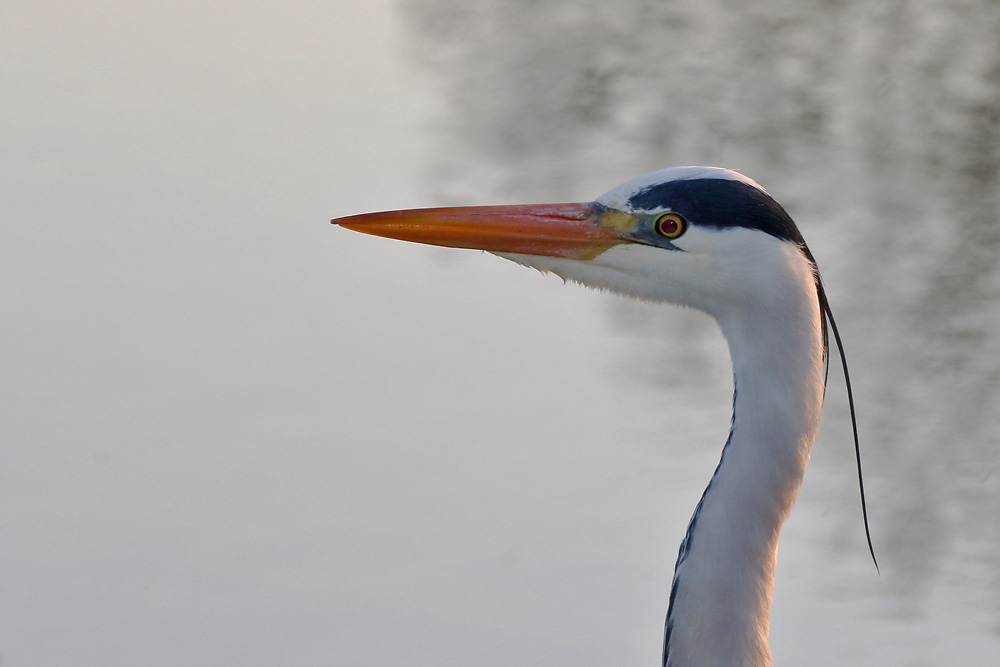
x,y
878,126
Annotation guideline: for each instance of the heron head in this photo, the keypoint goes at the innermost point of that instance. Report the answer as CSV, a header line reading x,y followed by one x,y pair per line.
x,y
698,236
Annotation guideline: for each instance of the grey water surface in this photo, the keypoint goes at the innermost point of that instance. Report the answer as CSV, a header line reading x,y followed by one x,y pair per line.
x,y
232,434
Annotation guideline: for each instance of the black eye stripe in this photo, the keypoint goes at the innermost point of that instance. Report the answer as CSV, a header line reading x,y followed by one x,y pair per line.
x,y
719,203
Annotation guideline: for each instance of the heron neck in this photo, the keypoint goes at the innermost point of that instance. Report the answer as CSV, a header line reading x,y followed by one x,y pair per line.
x,y
720,600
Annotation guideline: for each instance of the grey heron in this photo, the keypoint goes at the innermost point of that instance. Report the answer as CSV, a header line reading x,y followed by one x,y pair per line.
x,y
710,239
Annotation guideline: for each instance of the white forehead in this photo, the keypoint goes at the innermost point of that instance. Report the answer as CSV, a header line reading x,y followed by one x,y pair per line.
x,y
619,197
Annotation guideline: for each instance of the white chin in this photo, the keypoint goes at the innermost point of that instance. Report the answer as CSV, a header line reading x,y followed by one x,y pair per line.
x,y
619,269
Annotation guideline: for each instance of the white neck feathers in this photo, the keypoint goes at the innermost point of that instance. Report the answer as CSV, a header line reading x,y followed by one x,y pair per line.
x,y
721,596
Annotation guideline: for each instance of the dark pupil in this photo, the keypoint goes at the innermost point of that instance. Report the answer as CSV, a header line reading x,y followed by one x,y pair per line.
x,y
668,225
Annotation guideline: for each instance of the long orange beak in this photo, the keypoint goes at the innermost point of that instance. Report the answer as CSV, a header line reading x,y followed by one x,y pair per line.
x,y
574,231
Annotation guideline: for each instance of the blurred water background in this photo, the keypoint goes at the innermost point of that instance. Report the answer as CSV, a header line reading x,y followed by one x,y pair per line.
x,y
232,434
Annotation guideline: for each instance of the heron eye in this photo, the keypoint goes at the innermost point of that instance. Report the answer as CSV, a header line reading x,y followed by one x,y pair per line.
x,y
670,225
